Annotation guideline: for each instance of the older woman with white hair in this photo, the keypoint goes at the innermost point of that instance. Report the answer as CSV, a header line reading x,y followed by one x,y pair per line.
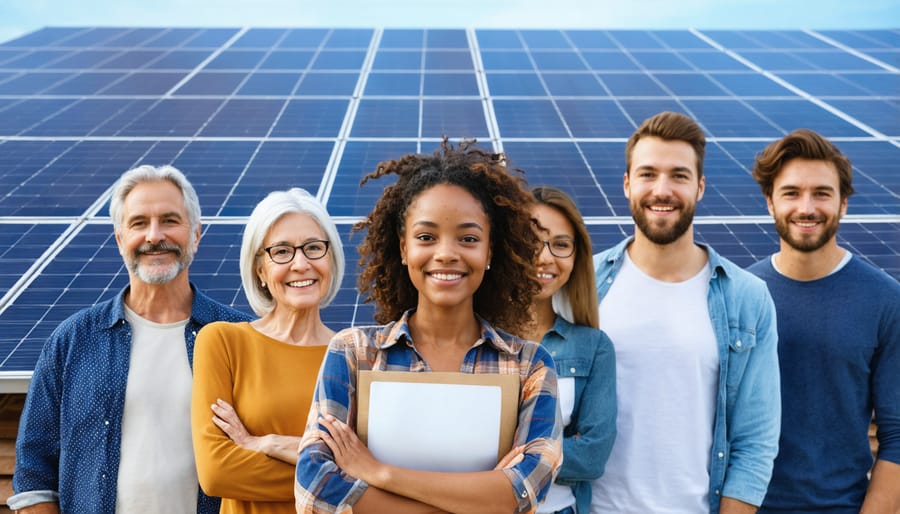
x,y
254,382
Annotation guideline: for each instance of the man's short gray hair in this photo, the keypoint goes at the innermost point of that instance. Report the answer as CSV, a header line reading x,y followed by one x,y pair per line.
x,y
146,173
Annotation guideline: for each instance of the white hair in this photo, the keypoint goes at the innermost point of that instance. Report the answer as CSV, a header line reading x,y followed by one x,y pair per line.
x,y
266,213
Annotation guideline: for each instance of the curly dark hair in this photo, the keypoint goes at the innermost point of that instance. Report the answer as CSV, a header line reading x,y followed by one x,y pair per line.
x,y
505,294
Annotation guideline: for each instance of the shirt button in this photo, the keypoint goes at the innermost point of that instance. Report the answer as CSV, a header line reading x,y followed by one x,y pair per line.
x,y
738,344
553,354
717,492
524,494
721,455
571,370
609,280
106,422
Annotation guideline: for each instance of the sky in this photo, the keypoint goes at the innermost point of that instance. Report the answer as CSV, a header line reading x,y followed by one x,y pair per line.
x,y
18,17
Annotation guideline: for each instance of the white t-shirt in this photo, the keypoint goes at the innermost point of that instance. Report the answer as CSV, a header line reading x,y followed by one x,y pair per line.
x,y
157,473
561,496
667,366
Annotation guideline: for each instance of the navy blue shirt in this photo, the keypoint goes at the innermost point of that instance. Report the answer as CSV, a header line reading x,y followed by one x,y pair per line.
x,y
839,349
70,433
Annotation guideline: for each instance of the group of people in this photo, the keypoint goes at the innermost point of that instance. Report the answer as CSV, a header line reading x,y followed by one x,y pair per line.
x,y
654,376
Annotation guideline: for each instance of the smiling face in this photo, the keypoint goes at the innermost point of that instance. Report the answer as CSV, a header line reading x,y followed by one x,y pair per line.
x,y
663,188
301,283
554,272
806,204
446,247
155,237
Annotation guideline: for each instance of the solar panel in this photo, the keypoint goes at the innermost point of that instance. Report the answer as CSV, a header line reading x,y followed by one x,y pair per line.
x,y
246,111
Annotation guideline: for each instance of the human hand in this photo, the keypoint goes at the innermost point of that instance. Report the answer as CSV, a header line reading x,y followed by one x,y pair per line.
x,y
350,454
227,419
512,458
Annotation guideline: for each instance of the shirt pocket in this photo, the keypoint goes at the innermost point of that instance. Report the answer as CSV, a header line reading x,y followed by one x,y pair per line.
x,y
572,367
740,343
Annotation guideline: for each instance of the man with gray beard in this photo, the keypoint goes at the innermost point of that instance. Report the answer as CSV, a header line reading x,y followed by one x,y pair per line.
x,y
106,425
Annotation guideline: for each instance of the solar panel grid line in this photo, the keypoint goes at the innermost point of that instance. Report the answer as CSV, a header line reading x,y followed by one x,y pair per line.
x,y
39,265
771,76
852,51
272,125
202,65
559,113
484,93
596,76
324,192
46,312
228,99
679,100
421,92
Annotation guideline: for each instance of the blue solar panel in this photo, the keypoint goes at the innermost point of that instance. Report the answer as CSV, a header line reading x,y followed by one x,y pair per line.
x,y
247,111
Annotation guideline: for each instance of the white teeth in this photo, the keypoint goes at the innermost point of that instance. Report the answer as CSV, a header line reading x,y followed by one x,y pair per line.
x,y
547,276
662,208
447,276
301,283
806,224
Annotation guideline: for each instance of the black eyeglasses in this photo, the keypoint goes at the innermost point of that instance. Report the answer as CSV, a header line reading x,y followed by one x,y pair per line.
x,y
283,254
561,247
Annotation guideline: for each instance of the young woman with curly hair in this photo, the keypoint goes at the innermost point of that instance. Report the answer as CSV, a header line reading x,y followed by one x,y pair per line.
x,y
448,259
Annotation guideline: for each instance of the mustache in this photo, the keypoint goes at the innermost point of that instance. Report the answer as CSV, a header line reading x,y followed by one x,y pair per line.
x,y
808,217
655,200
157,247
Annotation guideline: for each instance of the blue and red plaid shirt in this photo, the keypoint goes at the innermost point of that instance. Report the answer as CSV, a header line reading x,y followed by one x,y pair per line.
x,y
321,486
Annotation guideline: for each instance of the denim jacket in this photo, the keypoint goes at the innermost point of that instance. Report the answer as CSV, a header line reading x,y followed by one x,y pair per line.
x,y
70,433
748,401
586,354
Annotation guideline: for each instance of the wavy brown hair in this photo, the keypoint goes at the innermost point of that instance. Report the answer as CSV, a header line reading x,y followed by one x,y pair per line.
x,y
576,300
801,144
504,296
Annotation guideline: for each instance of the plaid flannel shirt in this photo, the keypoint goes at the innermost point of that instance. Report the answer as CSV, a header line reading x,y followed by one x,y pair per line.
x,y
321,486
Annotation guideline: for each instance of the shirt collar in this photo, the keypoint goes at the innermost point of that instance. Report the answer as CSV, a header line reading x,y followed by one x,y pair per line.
x,y
398,331
562,327
200,308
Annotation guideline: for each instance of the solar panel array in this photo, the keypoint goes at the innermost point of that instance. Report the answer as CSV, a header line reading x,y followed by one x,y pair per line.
x,y
246,111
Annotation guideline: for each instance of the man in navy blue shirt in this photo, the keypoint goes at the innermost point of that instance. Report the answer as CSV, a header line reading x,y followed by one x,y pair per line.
x,y
106,425
838,341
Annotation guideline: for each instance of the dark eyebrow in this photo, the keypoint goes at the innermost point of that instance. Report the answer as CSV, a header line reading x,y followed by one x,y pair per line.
x,y
431,224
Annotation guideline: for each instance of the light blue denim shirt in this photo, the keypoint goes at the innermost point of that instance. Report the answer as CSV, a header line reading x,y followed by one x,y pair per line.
x,y
70,434
748,401
587,355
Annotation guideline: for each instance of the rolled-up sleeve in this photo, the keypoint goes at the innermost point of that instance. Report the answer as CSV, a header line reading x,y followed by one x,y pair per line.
x,y
755,418
539,431
320,485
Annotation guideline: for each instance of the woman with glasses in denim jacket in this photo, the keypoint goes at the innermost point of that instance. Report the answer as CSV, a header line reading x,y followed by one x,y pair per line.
x,y
252,381
565,319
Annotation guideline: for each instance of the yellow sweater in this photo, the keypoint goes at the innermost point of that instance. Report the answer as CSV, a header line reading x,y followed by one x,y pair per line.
x,y
270,384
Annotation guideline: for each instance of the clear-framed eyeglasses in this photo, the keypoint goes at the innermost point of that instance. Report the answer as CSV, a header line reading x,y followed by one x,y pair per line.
x,y
561,247
312,250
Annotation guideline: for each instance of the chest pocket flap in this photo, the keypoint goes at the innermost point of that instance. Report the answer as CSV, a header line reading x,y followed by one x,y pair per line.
x,y
574,367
